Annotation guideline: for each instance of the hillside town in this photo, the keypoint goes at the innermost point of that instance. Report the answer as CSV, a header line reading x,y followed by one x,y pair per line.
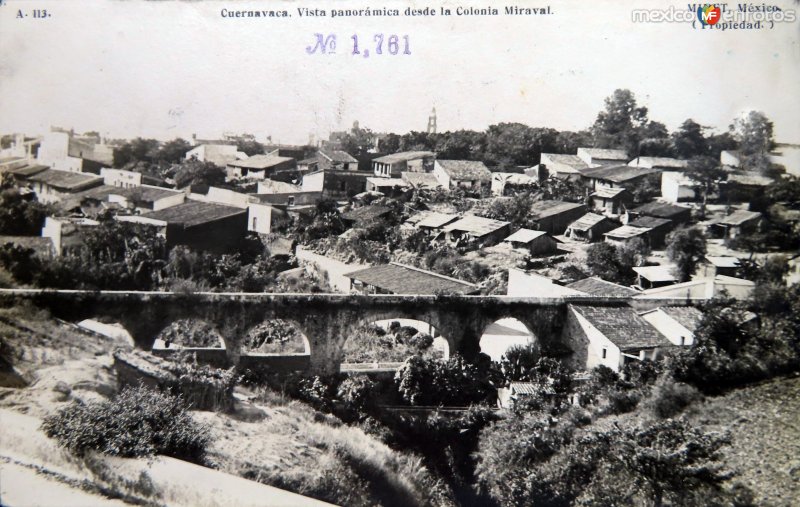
x,y
511,283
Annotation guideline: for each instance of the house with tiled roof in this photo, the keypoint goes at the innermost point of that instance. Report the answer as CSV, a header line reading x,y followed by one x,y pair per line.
x,y
260,166
676,323
462,174
594,157
567,167
611,336
217,154
396,278
391,166
52,185
198,225
619,176
420,180
590,227
336,159
596,286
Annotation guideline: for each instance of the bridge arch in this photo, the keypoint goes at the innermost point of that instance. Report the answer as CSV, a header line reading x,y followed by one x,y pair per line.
x,y
504,333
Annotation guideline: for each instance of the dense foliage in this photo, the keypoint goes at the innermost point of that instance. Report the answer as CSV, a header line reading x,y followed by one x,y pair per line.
x,y
137,422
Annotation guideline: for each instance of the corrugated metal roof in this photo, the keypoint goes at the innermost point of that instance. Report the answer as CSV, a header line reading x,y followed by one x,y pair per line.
x,y
739,217
599,287
627,232
656,273
403,156
618,173
587,221
193,213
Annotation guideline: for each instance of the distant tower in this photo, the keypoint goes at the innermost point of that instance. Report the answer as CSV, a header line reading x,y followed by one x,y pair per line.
x,y
432,122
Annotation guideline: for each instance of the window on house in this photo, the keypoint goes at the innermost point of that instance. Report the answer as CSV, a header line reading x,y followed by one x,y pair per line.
x,y
290,200
683,340
343,186
605,352
255,222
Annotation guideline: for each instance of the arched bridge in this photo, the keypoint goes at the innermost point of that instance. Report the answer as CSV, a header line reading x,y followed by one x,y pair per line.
x,y
327,320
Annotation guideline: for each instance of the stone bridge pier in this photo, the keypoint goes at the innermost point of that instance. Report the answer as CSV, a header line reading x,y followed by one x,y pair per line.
x,y
326,320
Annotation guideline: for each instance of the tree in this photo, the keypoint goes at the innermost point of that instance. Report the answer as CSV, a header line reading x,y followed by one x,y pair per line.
x,y
172,152
194,172
138,150
686,248
250,147
706,172
604,260
689,140
518,361
20,216
620,124
754,132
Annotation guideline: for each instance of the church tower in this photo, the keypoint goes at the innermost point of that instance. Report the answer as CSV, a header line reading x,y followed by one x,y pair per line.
x,y
432,122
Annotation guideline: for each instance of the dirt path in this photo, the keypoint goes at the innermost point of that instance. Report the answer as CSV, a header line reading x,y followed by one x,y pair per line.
x,y
21,486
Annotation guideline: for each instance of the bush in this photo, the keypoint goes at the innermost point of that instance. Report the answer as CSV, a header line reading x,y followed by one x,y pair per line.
x,y
138,422
670,398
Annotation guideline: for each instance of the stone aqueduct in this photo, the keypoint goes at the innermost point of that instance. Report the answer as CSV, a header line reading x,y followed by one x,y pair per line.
x,y
327,320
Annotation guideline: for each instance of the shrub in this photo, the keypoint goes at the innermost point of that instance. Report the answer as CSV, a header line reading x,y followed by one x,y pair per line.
x,y
623,401
670,398
137,422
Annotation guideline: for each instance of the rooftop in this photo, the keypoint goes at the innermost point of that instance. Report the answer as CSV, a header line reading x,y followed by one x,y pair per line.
x,y
420,179
623,326
28,170
66,180
608,193
618,173
723,262
260,161
525,236
387,182
544,209
402,279
432,219
687,316
366,213
147,193
573,161
587,221
661,210
659,162
476,226
599,287
192,213
750,179
605,154
465,170
656,273
650,222
739,217
338,156
403,156
627,232
268,186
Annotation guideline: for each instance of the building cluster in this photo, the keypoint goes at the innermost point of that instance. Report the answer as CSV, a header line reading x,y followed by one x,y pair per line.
x,y
74,174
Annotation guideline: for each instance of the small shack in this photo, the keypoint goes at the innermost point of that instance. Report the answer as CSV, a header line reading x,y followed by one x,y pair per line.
x,y
533,242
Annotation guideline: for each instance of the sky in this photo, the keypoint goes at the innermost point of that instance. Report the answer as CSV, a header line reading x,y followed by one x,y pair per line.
x,y
171,69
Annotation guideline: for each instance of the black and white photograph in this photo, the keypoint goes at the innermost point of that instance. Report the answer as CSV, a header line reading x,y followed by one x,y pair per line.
x,y
399,253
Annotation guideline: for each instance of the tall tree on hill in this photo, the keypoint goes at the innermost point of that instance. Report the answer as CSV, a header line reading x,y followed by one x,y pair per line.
x,y
172,152
686,248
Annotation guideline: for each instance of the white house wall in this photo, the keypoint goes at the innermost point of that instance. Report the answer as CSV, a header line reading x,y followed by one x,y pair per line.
x,y
598,342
